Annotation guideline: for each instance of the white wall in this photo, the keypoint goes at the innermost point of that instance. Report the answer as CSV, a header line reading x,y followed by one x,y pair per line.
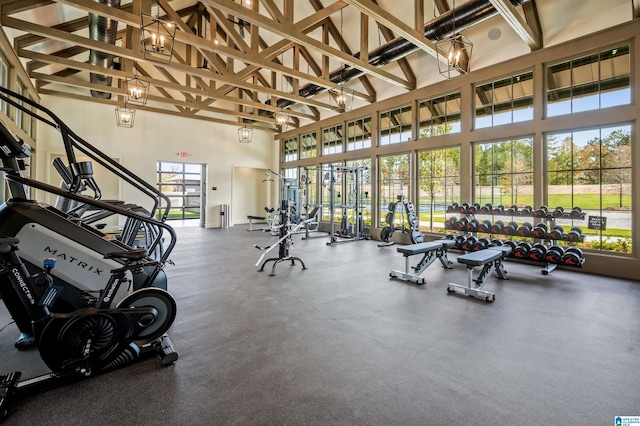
x,y
157,137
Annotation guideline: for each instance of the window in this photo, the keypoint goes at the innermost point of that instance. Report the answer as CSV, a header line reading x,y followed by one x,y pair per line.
x,y
504,101
440,116
438,186
359,134
591,169
290,149
363,197
20,90
394,181
330,179
503,172
4,78
309,186
599,80
395,125
332,140
308,145
181,182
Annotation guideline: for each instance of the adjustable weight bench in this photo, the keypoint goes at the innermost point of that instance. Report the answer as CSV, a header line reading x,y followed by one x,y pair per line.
x,y
491,261
432,250
252,218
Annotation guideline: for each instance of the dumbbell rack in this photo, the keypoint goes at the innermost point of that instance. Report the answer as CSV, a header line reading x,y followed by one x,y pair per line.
x,y
543,213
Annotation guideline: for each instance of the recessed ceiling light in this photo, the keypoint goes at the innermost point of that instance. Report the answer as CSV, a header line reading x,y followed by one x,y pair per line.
x,y
494,33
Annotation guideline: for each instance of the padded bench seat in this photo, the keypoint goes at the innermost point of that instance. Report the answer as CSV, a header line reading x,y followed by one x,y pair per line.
x,y
432,250
491,261
252,218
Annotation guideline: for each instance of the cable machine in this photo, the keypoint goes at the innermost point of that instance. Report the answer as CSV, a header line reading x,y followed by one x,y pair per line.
x,y
350,206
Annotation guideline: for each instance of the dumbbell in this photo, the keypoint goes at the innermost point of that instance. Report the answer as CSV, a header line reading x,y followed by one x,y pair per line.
x,y
481,244
575,234
556,233
511,244
473,208
461,225
486,209
452,208
513,210
498,209
575,250
526,211
450,223
468,243
525,229
571,258
558,211
540,230
472,225
460,239
497,227
576,212
511,228
463,208
484,226
537,252
522,250
497,242
449,237
542,211
554,254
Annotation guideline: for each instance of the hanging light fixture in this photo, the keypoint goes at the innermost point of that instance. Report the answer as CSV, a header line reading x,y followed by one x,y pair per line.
x,y
157,37
125,116
282,116
341,99
454,52
136,90
245,134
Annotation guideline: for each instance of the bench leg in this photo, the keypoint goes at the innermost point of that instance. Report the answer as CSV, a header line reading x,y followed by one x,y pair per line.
x,y
407,275
476,290
444,259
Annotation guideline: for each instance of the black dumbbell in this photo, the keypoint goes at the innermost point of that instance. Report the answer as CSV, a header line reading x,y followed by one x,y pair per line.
x,y
575,250
484,226
449,237
497,227
467,245
473,208
472,225
540,230
558,211
460,239
575,234
450,223
451,209
537,252
525,229
526,211
481,244
511,228
556,233
542,211
486,209
522,250
497,242
570,258
498,209
461,225
511,244
576,212
464,208
513,210
554,254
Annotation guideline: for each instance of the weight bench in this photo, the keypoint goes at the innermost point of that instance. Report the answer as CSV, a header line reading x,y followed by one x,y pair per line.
x,y
491,261
432,250
252,218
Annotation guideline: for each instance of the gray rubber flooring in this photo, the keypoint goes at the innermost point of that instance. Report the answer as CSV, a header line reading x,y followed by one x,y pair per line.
x,y
341,343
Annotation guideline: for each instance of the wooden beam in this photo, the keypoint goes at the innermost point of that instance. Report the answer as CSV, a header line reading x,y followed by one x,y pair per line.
x,y
635,5
532,17
513,18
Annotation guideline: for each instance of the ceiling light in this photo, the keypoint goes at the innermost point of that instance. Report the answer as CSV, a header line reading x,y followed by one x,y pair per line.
x,y
157,37
245,134
125,116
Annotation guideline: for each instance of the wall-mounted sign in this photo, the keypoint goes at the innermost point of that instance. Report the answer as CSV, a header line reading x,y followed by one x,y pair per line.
x,y
597,222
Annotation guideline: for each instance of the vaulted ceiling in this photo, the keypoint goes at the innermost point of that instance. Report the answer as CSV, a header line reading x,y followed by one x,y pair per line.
x,y
245,60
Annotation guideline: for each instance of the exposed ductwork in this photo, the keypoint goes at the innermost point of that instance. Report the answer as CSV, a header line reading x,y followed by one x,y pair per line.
x,y
104,30
455,20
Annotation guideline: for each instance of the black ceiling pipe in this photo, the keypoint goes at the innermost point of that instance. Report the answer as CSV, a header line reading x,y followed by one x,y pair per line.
x,y
104,30
455,20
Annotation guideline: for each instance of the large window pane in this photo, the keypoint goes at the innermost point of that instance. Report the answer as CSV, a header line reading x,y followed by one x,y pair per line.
x,y
359,134
439,186
504,101
395,125
332,140
439,116
394,181
592,170
290,149
308,145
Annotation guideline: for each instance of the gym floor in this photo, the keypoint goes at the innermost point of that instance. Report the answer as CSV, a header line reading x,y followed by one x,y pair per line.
x,y
342,343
